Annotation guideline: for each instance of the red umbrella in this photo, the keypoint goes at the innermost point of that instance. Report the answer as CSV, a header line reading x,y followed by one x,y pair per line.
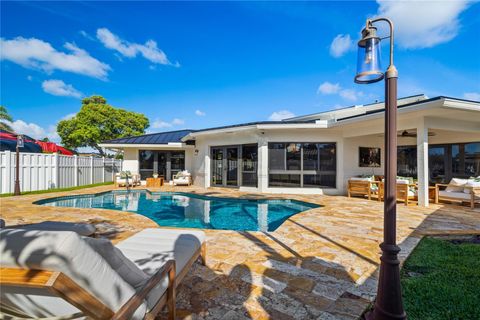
x,y
52,147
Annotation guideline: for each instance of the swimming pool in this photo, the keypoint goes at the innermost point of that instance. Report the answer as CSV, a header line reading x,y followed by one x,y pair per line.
x,y
178,209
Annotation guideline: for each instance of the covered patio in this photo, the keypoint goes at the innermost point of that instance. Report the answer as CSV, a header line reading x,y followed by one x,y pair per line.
x,y
439,142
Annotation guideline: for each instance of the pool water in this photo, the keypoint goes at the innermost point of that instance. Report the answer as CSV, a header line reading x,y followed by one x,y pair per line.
x,y
175,209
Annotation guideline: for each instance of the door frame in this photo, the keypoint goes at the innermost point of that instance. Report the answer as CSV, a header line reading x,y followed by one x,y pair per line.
x,y
225,166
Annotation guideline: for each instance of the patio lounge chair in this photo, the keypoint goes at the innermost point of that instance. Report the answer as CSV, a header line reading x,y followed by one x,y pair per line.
x,y
182,178
459,190
406,191
365,187
58,274
83,229
121,180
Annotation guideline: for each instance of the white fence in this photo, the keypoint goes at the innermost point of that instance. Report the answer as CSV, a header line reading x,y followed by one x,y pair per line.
x,y
40,171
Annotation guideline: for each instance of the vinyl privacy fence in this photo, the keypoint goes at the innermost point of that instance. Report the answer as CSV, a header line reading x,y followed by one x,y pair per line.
x,y
40,171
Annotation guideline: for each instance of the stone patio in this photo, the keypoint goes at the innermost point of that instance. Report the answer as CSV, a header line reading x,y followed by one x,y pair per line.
x,y
319,264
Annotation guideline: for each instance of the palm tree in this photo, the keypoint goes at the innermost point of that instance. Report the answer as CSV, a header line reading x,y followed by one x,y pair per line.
x,y
4,116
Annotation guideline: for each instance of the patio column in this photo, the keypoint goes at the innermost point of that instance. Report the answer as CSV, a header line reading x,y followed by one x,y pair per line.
x,y
262,164
422,163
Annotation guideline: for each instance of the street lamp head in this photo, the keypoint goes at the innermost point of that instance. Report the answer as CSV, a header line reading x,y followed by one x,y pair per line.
x,y
369,69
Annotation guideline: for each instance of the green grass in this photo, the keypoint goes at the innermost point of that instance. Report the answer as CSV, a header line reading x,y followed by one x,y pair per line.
x,y
58,190
441,280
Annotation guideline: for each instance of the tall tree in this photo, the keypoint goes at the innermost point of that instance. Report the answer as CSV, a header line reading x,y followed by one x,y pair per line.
x,y
4,116
98,121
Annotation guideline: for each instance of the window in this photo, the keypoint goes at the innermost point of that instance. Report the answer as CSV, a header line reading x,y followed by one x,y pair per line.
x,y
146,162
407,161
177,162
163,163
302,165
447,161
249,165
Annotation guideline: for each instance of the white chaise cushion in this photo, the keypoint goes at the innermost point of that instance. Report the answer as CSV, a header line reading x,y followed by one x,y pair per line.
x,y
121,264
457,195
83,229
66,252
456,185
151,248
471,183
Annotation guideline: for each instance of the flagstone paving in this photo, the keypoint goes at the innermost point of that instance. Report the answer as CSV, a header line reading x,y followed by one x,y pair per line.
x,y
319,264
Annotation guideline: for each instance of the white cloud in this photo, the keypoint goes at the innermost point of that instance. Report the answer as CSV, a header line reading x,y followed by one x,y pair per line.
x,y
37,54
340,45
35,131
328,88
160,124
149,50
178,122
475,96
200,113
69,116
86,35
350,94
60,88
280,115
423,23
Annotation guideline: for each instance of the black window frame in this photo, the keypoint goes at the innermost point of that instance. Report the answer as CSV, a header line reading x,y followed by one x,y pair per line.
x,y
318,172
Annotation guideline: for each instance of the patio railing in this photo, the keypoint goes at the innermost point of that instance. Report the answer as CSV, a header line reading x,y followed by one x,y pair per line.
x,y
39,171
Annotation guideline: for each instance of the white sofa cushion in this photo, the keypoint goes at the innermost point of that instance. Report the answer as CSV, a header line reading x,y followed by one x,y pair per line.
x,y
179,245
471,183
458,195
361,178
66,252
456,185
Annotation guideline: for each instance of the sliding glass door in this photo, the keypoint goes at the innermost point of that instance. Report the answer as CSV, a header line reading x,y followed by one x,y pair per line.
x,y
164,163
234,166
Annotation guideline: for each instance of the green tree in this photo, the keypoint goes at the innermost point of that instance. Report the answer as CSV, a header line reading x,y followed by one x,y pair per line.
x,y
98,121
4,116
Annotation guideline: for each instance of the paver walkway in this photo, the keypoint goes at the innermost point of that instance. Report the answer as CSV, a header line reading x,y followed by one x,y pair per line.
x,y
319,264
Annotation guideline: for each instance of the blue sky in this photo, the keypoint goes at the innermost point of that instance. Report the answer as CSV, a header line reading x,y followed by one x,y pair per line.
x,y
197,65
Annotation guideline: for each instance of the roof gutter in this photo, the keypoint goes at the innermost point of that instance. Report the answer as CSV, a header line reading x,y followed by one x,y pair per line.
x,y
170,145
319,124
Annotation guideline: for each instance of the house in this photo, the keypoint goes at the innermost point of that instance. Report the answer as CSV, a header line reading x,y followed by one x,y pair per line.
x,y
438,138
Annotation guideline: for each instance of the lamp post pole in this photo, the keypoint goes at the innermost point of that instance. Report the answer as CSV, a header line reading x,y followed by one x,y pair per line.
x,y
16,191
388,305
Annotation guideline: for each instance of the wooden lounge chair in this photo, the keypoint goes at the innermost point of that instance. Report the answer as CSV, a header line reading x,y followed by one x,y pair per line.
x,y
362,187
405,191
60,274
458,192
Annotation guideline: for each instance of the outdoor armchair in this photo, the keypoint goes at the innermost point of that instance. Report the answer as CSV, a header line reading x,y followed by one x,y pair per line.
x,y
364,187
182,178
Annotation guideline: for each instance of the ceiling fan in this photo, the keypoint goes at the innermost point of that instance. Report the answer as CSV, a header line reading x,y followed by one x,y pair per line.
x,y
406,134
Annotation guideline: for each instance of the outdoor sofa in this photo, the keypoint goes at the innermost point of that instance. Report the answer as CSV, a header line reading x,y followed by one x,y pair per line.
x,y
61,275
459,190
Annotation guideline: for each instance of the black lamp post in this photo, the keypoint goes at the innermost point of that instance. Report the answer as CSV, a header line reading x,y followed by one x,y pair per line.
x,y
388,304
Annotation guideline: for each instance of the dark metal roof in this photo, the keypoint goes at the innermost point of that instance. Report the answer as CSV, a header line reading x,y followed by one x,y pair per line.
x,y
153,138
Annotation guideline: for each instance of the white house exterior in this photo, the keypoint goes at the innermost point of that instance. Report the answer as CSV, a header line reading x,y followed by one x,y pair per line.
x,y
318,153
